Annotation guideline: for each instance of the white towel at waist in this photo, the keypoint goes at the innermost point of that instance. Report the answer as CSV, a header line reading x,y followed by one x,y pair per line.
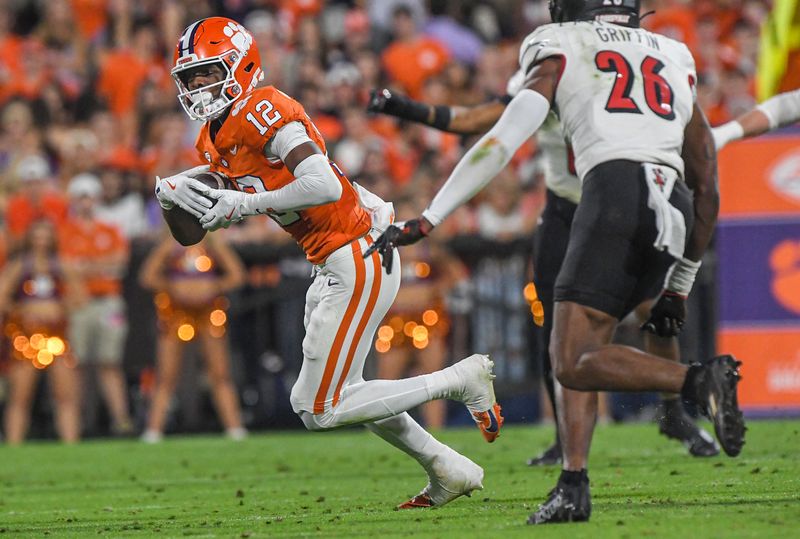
x,y
670,223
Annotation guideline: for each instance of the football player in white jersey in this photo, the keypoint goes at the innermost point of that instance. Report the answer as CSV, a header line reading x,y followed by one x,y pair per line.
x,y
563,194
626,100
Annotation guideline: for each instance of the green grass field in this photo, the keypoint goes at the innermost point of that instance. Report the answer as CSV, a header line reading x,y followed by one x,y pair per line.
x,y
346,484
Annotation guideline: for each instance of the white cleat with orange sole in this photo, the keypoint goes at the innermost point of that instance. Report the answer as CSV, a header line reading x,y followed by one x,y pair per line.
x,y
477,394
450,476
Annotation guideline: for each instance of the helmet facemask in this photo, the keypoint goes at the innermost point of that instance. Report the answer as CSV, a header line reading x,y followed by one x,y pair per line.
x,y
200,103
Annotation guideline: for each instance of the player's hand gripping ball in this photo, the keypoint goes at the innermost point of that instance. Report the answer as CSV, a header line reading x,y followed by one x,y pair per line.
x,y
186,225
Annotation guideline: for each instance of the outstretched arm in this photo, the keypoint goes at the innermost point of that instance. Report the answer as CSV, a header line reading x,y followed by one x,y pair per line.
x,y
520,120
462,120
778,111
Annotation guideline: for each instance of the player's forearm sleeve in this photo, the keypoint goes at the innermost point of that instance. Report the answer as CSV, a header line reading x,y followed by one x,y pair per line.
x,y
523,116
315,184
782,109
727,133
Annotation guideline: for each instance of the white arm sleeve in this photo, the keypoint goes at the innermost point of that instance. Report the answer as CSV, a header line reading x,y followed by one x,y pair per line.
x,y
315,184
782,109
727,133
522,117
286,139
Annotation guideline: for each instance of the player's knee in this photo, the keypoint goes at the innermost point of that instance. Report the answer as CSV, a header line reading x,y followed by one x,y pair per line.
x,y
316,422
570,374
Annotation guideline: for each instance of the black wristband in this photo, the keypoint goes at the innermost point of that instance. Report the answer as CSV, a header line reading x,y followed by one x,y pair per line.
x,y
505,99
408,109
441,117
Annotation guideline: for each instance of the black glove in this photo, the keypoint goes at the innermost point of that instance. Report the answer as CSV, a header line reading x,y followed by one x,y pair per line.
x,y
385,102
667,315
411,232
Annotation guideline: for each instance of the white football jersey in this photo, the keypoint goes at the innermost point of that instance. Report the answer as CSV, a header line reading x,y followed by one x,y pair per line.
x,y
625,93
555,155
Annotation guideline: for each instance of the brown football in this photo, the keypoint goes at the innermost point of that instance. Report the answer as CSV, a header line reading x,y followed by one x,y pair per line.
x,y
184,226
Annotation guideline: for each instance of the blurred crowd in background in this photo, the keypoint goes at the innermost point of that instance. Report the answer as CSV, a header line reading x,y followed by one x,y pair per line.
x,y
88,117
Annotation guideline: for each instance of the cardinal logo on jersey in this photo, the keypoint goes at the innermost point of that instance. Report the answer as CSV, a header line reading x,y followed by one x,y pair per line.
x,y
659,178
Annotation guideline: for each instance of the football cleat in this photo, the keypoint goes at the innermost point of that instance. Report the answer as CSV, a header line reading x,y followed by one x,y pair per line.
x,y
677,424
477,394
450,476
565,503
716,384
549,457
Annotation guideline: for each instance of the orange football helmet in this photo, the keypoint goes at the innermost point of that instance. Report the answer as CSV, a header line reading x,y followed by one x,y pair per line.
x,y
220,41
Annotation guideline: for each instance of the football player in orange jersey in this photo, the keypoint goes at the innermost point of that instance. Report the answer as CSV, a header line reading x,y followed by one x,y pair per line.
x,y
263,141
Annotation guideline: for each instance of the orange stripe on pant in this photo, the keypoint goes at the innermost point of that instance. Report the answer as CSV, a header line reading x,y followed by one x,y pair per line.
x,y
362,324
338,341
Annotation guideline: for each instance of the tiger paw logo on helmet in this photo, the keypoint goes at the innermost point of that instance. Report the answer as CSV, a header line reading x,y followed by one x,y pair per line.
x,y
240,37
785,263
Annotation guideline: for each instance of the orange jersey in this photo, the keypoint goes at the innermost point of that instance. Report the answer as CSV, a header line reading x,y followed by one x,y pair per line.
x,y
93,242
238,152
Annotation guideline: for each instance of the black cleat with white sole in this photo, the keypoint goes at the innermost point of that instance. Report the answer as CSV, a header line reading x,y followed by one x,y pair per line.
x,y
713,386
565,503
675,423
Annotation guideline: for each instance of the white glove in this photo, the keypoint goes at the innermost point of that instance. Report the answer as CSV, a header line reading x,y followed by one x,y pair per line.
x,y
184,191
229,207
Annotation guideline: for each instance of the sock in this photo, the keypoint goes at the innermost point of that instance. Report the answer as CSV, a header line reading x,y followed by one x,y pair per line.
x,y
673,407
690,390
573,478
408,436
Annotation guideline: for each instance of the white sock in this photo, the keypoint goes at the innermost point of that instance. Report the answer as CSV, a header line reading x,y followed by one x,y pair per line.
x,y
408,436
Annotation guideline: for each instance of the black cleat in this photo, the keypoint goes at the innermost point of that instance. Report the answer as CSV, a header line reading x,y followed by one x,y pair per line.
x,y
675,423
716,391
549,457
565,503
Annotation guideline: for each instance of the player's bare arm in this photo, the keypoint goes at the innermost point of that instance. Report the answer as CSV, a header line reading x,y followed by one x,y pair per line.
x,y
472,120
519,121
700,169
700,161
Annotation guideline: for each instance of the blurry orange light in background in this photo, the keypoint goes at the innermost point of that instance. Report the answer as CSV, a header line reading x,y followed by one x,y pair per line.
x,y
420,333
430,317
218,317
385,333
55,346
382,346
530,292
422,269
421,344
44,357
396,323
161,300
185,332
38,341
202,263
20,343
408,329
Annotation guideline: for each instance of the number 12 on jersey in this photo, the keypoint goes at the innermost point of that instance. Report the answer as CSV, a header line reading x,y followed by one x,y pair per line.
x,y
264,107
657,91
